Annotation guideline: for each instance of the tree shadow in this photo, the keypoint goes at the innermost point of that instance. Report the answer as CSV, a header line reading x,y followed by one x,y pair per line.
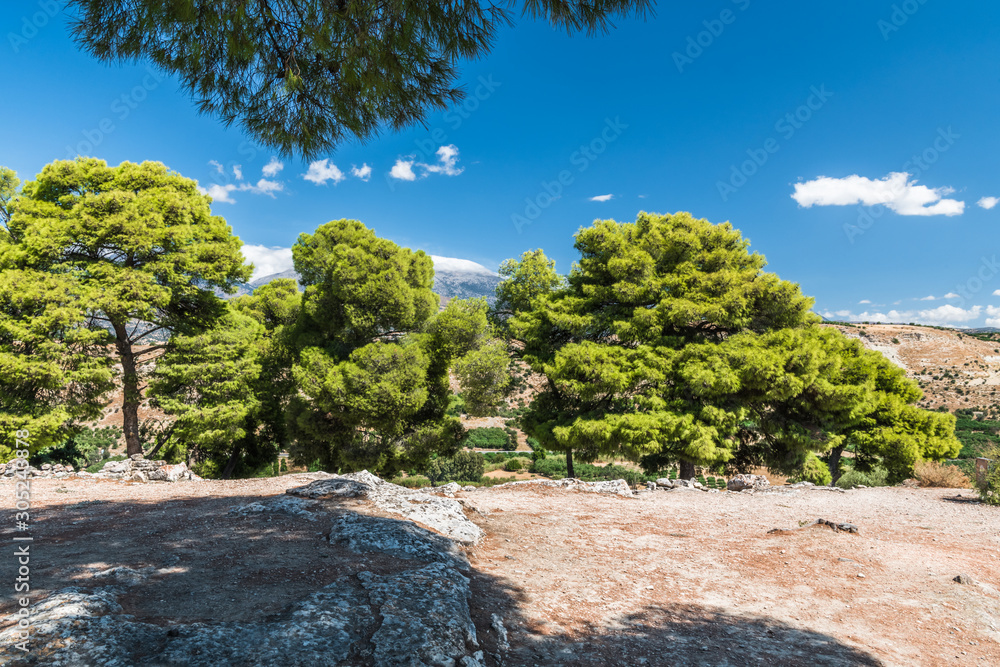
x,y
201,563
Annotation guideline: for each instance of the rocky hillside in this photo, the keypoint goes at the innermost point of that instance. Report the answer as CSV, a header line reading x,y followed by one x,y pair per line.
x,y
957,369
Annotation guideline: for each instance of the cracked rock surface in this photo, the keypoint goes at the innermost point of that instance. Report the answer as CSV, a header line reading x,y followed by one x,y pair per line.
x,y
406,602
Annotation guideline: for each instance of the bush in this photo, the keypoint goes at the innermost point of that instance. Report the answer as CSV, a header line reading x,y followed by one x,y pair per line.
x,y
538,454
490,437
555,467
817,472
934,474
412,481
84,449
853,478
990,491
513,465
465,466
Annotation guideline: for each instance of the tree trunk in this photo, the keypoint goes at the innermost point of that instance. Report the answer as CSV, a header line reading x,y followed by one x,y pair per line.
x,y
569,463
687,470
130,390
834,463
231,464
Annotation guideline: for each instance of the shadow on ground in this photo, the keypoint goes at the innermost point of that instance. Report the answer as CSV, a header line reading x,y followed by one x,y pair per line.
x,y
210,566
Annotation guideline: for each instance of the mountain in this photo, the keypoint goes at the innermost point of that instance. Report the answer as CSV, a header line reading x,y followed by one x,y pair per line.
x,y
248,288
453,279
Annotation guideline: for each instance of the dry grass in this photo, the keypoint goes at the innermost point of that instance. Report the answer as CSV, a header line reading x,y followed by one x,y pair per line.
x,y
932,473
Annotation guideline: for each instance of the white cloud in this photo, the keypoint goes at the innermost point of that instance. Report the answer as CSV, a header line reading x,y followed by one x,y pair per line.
x,y
403,170
222,193
447,159
322,171
929,298
988,202
364,173
455,264
447,163
940,316
265,187
996,292
219,193
268,260
602,198
896,192
218,167
272,168
950,295
863,301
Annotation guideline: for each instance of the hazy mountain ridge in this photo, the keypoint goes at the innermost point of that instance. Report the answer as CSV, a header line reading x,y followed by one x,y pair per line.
x,y
448,284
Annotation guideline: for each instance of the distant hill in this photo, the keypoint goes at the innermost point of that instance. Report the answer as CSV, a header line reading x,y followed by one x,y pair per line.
x,y
957,368
248,288
457,283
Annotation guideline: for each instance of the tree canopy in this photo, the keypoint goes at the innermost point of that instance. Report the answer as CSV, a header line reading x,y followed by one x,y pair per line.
x,y
305,76
671,344
373,353
118,254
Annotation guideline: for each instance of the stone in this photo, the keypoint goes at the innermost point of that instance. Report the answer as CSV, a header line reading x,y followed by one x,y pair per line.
x,y
402,539
136,457
664,482
617,487
747,482
138,476
441,514
117,467
651,486
963,579
174,472
286,504
496,622
424,613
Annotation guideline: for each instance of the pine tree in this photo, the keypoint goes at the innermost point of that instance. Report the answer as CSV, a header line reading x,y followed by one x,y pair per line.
x,y
306,76
123,255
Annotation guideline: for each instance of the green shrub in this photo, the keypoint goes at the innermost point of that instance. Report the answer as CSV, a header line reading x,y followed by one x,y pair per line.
x,y
817,472
412,481
555,467
990,491
513,465
534,444
538,454
465,466
490,437
853,478
84,449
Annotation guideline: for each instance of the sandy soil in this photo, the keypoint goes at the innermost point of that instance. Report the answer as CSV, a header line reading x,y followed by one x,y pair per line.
x,y
581,579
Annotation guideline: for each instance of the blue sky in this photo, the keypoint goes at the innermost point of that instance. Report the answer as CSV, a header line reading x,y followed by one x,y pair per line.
x,y
854,143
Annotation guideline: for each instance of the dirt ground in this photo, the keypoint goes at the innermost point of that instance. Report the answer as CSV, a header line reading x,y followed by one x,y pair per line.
x,y
580,579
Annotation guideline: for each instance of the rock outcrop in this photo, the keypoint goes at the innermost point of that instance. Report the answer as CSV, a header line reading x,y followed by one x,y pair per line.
x,y
416,614
618,487
748,483
443,515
